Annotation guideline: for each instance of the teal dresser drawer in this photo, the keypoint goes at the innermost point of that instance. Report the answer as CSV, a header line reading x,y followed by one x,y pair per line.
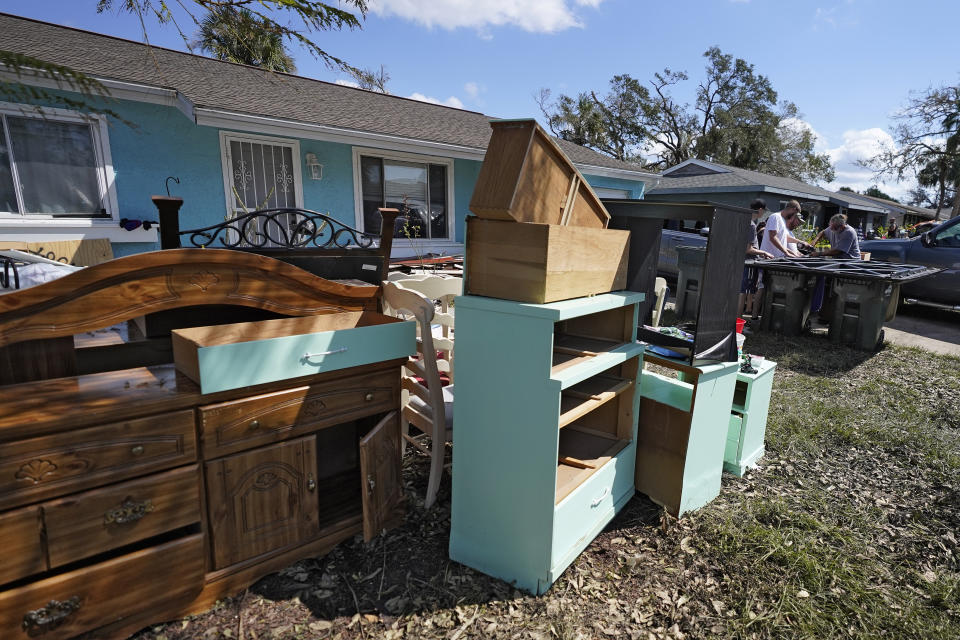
x,y
580,516
251,353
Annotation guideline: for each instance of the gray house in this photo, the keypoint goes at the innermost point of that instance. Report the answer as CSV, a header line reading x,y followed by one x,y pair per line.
x,y
698,180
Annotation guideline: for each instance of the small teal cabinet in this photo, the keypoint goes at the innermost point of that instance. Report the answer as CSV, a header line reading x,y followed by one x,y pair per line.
x,y
748,418
681,433
545,426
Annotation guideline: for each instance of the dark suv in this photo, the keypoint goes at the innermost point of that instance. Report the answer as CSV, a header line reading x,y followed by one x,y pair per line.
x,y
939,247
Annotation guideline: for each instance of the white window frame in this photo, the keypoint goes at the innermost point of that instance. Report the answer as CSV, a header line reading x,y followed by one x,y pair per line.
x,y
227,136
404,157
41,222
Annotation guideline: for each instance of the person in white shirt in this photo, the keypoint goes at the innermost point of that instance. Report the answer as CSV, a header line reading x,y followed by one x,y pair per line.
x,y
777,237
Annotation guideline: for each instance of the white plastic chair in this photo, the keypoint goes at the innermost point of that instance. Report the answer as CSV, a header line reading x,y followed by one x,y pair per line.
x,y
428,407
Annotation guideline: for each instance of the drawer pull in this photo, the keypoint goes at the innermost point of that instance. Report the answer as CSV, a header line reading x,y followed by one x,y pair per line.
x,y
254,424
368,397
309,355
311,483
48,618
129,511
600,497
137,450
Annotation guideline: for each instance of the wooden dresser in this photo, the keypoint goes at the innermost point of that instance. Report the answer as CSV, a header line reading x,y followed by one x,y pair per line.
x,y
129,497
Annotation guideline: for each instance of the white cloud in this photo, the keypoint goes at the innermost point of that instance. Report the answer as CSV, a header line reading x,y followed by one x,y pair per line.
x,y
347,83
863,144
452,101
538,16
472,89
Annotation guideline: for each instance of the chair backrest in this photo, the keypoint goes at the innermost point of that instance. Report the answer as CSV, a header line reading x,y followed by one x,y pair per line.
x,y
406,301
660,292
441,290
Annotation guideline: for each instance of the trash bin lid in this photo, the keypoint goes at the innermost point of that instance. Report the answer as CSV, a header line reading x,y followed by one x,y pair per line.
x,y
860,269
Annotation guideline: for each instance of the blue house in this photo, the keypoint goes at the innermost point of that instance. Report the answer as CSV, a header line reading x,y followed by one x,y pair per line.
x,y
238,138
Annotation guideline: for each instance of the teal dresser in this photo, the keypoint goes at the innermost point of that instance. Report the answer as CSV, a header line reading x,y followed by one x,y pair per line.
x,y
748,418
545,431
682,430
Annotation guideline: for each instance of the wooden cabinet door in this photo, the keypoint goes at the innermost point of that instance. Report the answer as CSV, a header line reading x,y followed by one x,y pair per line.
x,y
380,469
262,500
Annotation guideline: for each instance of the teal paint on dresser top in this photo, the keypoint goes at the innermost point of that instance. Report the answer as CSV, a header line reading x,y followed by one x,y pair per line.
x,y
504,517
244,364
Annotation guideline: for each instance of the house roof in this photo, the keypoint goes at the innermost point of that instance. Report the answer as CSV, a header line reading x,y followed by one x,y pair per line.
x,y
929,214
700,176
239,89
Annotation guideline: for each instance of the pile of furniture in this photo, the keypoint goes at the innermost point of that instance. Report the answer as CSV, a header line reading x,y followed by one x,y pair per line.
x,y
547,366
135,489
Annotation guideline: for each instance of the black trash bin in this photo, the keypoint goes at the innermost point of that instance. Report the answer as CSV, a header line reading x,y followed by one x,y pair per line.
x,y
786,301
859,311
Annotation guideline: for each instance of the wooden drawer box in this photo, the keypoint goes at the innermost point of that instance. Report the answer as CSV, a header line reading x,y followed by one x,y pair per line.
x,y
229,427
542,262
526,177
103,519
45,467
250,353
67,605
22,551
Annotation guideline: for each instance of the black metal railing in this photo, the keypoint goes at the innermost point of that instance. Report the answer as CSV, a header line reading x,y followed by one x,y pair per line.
x,y
288,228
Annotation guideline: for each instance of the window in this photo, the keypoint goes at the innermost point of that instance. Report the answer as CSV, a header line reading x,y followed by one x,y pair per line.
x,y
261,173
54,164
419,189
949,237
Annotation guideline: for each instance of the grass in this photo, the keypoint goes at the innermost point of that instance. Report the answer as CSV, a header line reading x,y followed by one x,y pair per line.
x,y
849,528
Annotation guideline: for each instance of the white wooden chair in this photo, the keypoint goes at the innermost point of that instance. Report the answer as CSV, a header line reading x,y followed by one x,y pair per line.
x,y
441,290
660,290
428,407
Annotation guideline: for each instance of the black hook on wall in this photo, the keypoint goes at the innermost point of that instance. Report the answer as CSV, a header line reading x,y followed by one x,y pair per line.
x,y
167,183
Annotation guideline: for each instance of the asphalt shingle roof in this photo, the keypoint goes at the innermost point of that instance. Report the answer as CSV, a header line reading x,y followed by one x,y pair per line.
x,y
238,88
733,177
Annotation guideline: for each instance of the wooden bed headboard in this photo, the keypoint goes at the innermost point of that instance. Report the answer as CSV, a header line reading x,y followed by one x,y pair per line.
x,y
37,325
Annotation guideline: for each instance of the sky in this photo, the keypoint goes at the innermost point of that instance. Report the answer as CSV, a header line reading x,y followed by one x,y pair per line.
x,y
847,64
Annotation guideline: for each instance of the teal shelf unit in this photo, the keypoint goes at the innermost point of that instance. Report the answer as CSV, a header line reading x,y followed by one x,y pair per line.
x,y
682,429
748,418
537,384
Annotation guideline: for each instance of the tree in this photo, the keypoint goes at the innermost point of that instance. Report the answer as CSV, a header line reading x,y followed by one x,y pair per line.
x,y
236,35
272,16
734,120
926,146
372,80
875,192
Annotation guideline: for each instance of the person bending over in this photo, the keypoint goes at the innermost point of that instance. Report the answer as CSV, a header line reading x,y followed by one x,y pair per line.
x,y
842,238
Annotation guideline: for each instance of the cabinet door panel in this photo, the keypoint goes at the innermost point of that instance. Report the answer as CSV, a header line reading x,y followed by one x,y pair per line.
x,y
262,500
380,468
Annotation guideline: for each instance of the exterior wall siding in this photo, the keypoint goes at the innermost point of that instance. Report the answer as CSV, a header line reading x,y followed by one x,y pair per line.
x,y
150,142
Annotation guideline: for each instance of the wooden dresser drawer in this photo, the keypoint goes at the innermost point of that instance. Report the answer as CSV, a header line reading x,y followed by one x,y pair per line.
x,y
95,521
233,426
50,466
66,605
22,552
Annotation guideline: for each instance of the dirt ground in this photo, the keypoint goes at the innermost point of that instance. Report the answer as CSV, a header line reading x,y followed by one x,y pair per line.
x,y
848,528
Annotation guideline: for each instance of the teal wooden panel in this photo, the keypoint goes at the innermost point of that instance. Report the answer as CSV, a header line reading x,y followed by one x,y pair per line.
x,y
555,311
709,424
665,390
244,364
599,363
